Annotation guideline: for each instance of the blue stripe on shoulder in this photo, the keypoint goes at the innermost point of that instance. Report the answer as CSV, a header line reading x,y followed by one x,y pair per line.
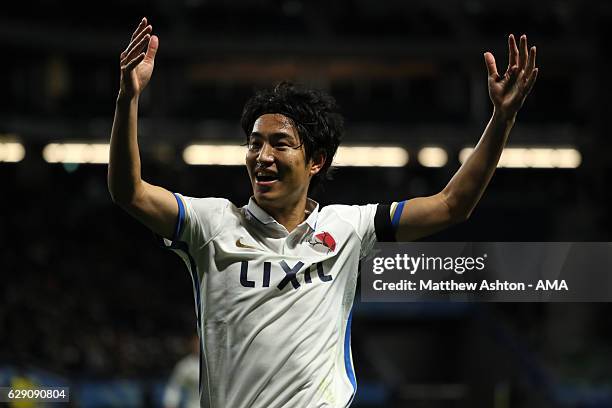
x,y
180,219
397,214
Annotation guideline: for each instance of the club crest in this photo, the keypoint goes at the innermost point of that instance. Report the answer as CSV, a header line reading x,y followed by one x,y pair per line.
x,y
324,239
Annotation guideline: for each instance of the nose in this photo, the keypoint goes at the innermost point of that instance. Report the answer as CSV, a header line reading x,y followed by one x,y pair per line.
x,y
265,156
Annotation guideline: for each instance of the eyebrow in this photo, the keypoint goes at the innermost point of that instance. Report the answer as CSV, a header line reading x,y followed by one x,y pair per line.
x,y
275,135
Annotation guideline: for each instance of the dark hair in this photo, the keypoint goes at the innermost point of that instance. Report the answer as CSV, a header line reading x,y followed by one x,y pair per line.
x,y
314,114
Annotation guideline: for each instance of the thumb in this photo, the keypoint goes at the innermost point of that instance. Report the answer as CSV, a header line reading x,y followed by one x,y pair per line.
x,y
152,48
490,63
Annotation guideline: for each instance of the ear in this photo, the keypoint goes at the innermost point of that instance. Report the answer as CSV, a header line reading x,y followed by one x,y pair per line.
x,y
317,163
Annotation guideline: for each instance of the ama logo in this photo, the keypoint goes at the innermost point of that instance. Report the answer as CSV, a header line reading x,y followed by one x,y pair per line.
x,y
323,241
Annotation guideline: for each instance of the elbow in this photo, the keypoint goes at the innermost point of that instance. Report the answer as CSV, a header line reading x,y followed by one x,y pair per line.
x,y
118,199
111,186
457,212
458,215
114,192
121,197
461,216
123,194
126,202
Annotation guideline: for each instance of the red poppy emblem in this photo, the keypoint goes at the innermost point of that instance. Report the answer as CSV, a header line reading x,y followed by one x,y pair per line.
x,y
327,240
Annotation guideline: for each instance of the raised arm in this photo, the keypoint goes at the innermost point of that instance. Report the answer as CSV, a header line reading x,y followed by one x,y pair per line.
x,y
423,216
152,205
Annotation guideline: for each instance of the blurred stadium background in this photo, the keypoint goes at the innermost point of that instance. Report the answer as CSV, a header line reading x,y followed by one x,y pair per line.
x,y
87,299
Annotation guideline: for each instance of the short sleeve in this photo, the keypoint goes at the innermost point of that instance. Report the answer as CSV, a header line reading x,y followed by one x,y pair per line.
x,y
199,220
371,222
375,226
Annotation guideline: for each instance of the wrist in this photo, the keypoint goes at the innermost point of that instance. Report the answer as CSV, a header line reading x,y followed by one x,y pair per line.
x,y
125,99
504,117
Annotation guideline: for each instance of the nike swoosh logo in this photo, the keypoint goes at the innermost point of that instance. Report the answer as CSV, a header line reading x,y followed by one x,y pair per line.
x,y
241,245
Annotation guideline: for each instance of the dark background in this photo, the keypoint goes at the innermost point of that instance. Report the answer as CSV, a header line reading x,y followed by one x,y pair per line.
x,y
86,297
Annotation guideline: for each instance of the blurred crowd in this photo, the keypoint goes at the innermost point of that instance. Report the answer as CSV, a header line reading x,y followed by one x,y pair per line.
x,y
84,288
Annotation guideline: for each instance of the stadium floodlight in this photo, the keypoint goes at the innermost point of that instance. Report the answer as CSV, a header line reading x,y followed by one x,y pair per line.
x,y
518,158
534,157
432,156
11,152
371,156
364,156
220,155
567,158
94,153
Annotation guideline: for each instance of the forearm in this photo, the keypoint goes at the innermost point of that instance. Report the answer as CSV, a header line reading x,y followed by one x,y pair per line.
x,y
467,186
124,163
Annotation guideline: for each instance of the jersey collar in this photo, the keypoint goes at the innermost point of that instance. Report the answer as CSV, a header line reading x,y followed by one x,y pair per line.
x,y
312,212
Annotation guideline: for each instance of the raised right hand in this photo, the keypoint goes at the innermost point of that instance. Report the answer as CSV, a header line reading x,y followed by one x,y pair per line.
x,y
136,64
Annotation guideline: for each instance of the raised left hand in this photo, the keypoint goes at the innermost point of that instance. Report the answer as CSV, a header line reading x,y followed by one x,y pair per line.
x,y
508,92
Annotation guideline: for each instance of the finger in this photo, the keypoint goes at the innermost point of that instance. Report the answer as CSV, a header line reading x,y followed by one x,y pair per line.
x,y
522,52
146,31
152,48
531,81
512,74
135,40
512,51
490,63
130,65
530,61
143,23
137,49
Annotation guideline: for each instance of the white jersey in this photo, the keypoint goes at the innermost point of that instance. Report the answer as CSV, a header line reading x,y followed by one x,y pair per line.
x,y
273,307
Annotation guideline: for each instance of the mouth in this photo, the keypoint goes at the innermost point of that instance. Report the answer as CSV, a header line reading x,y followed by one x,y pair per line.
x,y
265,178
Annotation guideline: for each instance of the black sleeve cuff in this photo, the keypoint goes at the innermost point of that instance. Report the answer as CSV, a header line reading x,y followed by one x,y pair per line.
x,y
382,224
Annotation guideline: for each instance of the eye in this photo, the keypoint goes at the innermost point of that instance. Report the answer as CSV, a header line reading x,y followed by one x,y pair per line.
x,y
281,145
254,145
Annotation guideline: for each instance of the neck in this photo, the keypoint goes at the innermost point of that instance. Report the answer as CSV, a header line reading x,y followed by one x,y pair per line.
x,y
290,216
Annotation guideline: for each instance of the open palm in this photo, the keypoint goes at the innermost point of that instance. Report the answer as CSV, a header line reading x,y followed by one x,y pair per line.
x,y
137,60
508,92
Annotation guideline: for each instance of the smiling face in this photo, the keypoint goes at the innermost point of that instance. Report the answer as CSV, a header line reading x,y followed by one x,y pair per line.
x,y
276,162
